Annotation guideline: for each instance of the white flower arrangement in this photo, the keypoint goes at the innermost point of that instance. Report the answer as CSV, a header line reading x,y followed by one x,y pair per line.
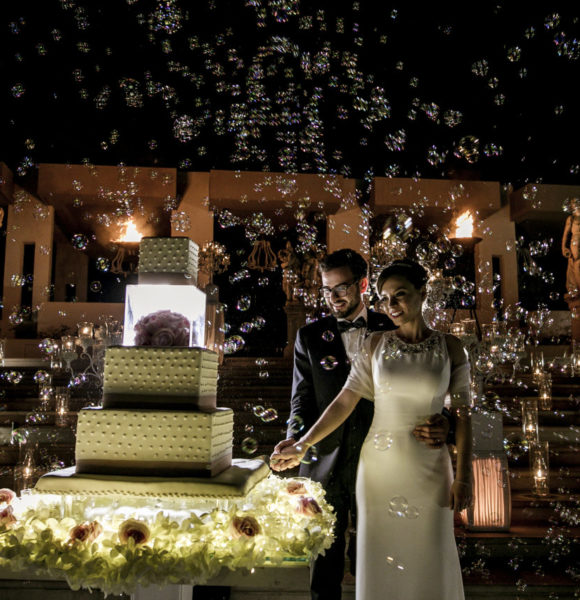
x,y
267,528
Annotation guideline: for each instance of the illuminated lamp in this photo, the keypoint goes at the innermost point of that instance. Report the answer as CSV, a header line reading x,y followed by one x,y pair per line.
x,y
491,508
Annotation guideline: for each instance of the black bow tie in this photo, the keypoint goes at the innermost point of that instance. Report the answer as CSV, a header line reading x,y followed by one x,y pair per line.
x,y
359,323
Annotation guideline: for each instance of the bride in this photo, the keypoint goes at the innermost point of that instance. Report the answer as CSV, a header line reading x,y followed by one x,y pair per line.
x,y
406,493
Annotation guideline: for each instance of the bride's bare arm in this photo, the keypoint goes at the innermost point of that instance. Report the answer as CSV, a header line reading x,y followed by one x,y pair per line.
x,y
461,494
333,417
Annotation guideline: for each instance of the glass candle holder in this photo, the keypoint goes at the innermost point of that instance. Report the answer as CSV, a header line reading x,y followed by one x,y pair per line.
x,y
61,407
540,465
457,329
68,350
530,419
537,365
2,351
545,392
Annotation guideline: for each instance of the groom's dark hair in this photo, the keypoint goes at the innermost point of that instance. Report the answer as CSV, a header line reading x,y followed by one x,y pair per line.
x,y
345,258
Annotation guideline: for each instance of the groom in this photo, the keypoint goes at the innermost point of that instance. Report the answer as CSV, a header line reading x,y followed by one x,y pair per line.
x,y
322,354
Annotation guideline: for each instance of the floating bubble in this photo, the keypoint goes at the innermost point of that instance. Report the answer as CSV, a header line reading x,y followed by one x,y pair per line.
x,y
295,424
249,428
42,377
263,374
398,506
234,344
310,456
259,322
263,281
382,440
80,241
14,377
261,362
180,221
328,363
103,264
48,346
249,445
244,303
246,327
328,335
95,286
412,512
515,445
19,436
17,90
258,410
269,415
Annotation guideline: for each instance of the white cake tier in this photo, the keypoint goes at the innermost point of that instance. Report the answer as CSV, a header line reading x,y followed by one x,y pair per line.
x,y
234,482
160,377
168,260
153,442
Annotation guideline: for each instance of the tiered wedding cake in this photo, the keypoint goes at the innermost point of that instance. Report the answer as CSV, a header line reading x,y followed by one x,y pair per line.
x,y
159,431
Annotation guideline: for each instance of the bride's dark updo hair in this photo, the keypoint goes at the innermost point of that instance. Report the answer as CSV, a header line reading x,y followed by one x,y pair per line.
x,y
412,271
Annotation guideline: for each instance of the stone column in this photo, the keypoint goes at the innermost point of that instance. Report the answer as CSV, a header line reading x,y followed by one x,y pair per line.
x,y
296,316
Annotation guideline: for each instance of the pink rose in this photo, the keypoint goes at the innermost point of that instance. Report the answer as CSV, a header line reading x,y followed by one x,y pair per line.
x,y
86,532
135,530
163,337
245,526
296,488
7,518
308,507
6,495
162,328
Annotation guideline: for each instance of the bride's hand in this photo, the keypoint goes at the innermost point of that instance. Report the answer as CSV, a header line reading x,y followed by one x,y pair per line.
x,y
461,496
288,457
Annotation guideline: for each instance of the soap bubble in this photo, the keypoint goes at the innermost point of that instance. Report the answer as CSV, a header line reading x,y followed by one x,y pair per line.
x,y
42,377
412,512
249,445
310,456
249,428
234,344
295,424
263,374
261,362
269,415
382,440
103,264
263,281
398,506
14,377
244,303
48,346
258,410
328,363
19,436
17,90
515,445
95,286
180,221
246,327
80,241
328,335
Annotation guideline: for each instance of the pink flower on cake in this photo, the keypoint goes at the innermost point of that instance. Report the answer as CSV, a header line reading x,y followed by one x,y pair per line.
x,y
162,328
86,532
308,507
296,488
245,526
135,530
6,495
7,518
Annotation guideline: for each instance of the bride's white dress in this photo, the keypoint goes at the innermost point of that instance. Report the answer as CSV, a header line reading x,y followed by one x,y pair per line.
x,y
405,541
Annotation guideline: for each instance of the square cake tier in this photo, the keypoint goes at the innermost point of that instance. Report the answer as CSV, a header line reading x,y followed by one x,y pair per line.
x,y
168,260
159,377
152,442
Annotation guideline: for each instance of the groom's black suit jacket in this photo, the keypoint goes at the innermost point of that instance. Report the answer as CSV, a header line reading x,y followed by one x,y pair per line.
x,y
314,387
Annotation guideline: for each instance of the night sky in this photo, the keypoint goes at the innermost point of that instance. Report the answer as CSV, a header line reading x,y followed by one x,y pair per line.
x,y
474,90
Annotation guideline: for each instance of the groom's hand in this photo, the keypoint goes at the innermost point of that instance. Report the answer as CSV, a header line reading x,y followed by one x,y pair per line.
x,y
433,432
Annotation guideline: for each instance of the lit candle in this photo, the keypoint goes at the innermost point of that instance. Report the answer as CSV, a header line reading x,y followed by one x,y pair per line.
x,y
85,330
539,461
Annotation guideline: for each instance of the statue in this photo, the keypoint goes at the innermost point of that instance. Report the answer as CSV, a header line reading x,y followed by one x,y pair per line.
x,y
571,248
291,269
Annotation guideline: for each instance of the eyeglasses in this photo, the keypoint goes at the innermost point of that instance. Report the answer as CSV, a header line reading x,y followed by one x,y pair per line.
x,y
339,290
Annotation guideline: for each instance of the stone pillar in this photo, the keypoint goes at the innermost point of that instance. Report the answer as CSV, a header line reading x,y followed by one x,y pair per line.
x,y
25,226
296,316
